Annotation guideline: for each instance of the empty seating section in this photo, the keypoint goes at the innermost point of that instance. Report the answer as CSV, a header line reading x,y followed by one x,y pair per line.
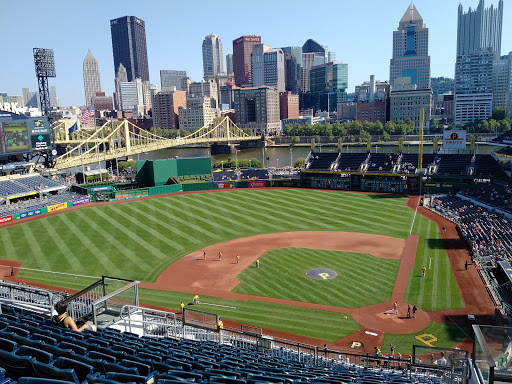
x,y
22,185
486,166
261,174
382,162
488,233
9,188
225,175
322,160
109,356
351,161
453,165
38,182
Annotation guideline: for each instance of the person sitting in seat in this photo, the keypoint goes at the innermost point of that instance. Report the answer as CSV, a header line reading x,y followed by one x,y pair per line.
x,y
63,320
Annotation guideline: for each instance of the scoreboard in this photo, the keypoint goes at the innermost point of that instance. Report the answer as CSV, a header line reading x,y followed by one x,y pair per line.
x,y
22,134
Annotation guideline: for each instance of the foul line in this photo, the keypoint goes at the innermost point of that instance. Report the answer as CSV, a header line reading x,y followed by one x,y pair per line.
x,y
414,218
58,273
217,305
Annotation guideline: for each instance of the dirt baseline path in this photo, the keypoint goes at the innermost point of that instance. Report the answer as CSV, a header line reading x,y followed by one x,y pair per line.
x,y
212,274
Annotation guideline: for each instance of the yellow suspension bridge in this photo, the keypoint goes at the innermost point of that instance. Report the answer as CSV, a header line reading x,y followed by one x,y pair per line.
x,y
122,139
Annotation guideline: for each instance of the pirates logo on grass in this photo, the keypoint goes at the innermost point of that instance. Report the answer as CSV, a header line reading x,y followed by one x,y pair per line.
x,y
321,274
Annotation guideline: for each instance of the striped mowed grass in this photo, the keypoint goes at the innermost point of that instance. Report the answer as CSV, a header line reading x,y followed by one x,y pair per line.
x,y
139,239
284,276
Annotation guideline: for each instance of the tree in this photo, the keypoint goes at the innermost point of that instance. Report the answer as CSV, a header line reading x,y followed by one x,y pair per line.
x,y
247,131
385,136
122,165
295,139
499,114
300,163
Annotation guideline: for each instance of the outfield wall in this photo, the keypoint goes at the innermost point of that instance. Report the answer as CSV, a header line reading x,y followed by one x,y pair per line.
x,y
40,211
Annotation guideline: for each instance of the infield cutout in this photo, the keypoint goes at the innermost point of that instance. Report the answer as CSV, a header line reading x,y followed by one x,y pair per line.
x,y
321,274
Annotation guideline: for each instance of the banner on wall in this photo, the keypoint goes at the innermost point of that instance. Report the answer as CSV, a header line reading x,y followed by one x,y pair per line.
x,y
454,140
5,219
83,200
33,212
225,185
56,207
256,184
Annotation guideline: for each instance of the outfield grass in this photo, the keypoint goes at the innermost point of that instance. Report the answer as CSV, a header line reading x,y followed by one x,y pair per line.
x,y
139,239
438,290
283,275
322,325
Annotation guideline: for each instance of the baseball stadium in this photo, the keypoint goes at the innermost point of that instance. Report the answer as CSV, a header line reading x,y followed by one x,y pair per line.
x,y
360,267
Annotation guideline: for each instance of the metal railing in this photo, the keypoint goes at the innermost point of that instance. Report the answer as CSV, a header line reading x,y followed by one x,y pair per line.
x,y
38,299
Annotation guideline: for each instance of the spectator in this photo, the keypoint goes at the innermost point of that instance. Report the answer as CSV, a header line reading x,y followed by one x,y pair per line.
x,y
62,319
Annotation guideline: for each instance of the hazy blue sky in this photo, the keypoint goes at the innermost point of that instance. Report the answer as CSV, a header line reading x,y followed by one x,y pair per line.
x,y
360,32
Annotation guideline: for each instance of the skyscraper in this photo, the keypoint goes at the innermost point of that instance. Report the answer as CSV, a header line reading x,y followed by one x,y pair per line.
x,y
242,49
92,83
480,29
129,46
121,77
170,78
478,47
229,63
293,69
212,55
410,50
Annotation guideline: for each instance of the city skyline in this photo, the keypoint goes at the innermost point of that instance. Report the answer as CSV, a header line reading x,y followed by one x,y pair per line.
x,y
359,34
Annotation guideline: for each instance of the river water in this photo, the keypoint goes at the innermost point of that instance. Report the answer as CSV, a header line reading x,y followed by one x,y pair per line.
x,y
284,156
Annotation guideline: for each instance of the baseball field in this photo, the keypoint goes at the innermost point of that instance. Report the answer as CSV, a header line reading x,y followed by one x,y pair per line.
x,y
370,247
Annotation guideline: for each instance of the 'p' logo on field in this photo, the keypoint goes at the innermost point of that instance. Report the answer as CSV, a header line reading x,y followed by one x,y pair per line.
x,y
321,274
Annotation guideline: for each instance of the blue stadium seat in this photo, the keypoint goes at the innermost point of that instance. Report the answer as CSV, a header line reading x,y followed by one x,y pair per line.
x,y
50,372
38,354
74,347
102,356
56,351
115,367
85,344
97,364
143,369
21,340
150,356
81,369
163,367
16,366
124,348
108,351
45,339
98,341
3,324
7,345
18,330
126,378
39,380
167,376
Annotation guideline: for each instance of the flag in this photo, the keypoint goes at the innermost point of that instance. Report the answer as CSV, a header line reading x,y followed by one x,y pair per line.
x,y
88,113
73,128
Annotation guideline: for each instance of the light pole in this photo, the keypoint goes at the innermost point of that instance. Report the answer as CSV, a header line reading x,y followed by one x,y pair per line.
x,y
236,159
250,162
222,164
277,164
291,158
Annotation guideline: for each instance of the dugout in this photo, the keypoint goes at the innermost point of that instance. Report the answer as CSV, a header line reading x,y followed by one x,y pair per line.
x,y
155,173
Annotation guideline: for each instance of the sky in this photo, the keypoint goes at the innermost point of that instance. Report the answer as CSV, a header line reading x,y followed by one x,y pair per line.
x,y
360,32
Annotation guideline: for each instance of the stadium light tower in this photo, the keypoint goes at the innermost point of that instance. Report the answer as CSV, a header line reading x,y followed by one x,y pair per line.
x,y
45,67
